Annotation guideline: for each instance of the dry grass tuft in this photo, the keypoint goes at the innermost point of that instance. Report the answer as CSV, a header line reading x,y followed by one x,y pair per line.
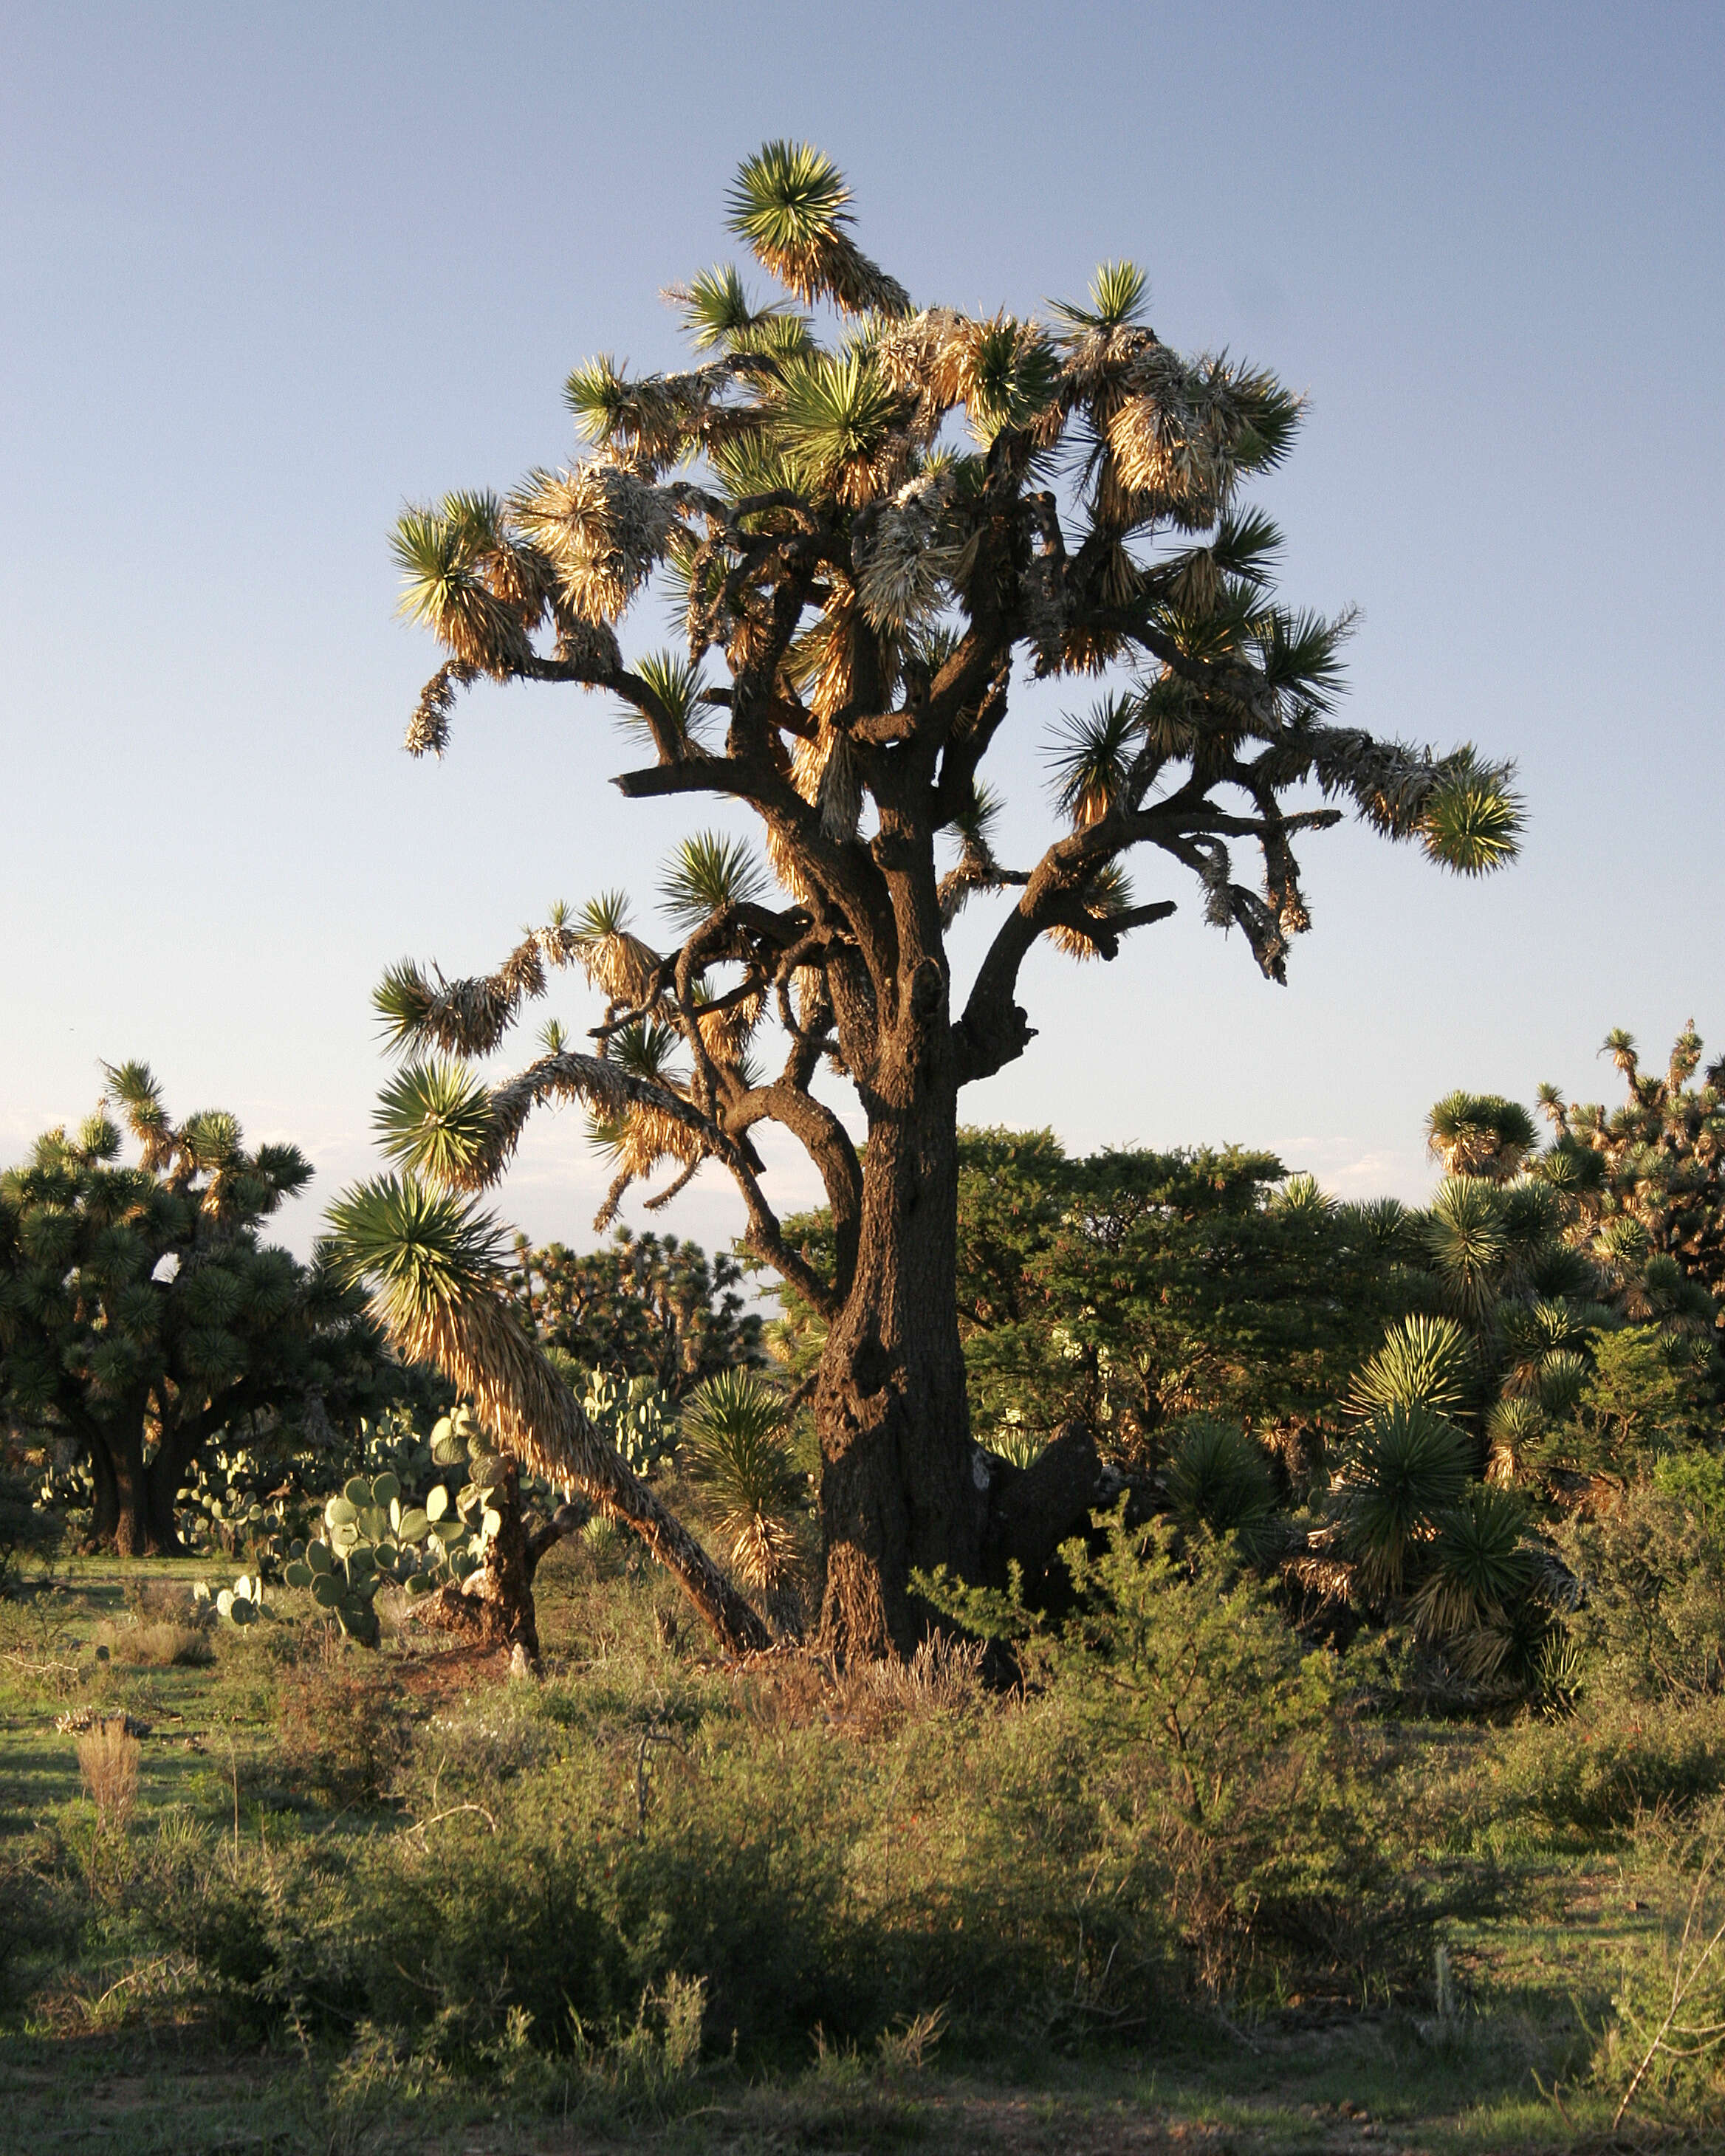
x,y
943,1676
109,1758
798,1688
150,1599
159,1644
905,2049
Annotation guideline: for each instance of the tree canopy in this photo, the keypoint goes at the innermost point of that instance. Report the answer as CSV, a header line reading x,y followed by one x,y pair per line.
x,y
639,1306
140,1313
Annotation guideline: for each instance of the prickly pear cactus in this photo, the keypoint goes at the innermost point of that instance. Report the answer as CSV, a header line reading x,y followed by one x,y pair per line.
x,y
634,1419
242,1603
370,1538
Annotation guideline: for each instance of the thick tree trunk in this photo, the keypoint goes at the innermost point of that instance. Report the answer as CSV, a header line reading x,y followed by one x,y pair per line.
x,y
131,1529
163,1477
133,1513
105,1516
495,1603
902,1486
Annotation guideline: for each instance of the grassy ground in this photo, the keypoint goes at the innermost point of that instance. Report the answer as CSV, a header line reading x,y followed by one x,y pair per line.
x,y
115,2042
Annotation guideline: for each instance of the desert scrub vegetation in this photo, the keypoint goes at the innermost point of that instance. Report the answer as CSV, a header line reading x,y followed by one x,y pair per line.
x,y
653,1880
1050,1859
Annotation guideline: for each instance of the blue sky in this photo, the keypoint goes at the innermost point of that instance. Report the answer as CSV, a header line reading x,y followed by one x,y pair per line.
x,y
270,273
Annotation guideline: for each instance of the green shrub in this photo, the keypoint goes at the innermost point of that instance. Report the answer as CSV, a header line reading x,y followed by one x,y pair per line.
x,y
1651,1561
1594,1774
1220,1786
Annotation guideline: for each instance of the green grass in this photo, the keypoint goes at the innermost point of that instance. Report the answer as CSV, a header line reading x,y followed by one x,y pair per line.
x,y
332,1781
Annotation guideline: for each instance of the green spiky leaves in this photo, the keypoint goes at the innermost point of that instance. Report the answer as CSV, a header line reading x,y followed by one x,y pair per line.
x,y
1014,376
791,204
1480,1134
435,1119
1405,1470
1090,755
598,395
1424,1361
417,1250
835,412
735,1441
1473,818
1479,1564
404,1000
455,561
788,196
1118,293
1218,1476
677,686
716,310
715,307
708,872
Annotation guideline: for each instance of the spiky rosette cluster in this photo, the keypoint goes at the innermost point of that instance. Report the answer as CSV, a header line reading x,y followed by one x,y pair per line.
x,y
866,576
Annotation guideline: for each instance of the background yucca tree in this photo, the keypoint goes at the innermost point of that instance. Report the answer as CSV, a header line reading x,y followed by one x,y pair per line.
x,y
867,533
1649,1177
141,1313
1525,1261
639,1306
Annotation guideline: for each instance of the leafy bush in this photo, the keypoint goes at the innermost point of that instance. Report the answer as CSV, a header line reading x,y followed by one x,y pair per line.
x,y
1252,1833
1651,1561
1647,1395
1596,1774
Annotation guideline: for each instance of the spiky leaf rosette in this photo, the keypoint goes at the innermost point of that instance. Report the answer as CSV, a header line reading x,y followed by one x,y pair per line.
x,y
791,205
1480,1134
1218,1477
434,1265
1424,1361
1478,1564
1403,1470
708,872
735,1441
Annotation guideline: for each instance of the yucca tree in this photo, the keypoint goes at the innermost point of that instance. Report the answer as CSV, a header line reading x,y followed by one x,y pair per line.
x,y
1649,1177
141,1313
641,1306
869,512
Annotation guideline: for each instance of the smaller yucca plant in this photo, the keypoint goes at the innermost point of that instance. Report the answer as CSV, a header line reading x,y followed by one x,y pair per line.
x,y
736,1431
1219,1478
1479,1565
1404,1471
1424,1361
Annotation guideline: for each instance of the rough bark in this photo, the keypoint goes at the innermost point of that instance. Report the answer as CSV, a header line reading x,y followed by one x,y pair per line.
x,y
900,1488
495,1603
134,1512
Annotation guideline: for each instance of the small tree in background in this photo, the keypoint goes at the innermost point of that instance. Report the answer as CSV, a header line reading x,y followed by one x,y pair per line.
x,y
142,1315
1649,1176
872,534
639,1306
